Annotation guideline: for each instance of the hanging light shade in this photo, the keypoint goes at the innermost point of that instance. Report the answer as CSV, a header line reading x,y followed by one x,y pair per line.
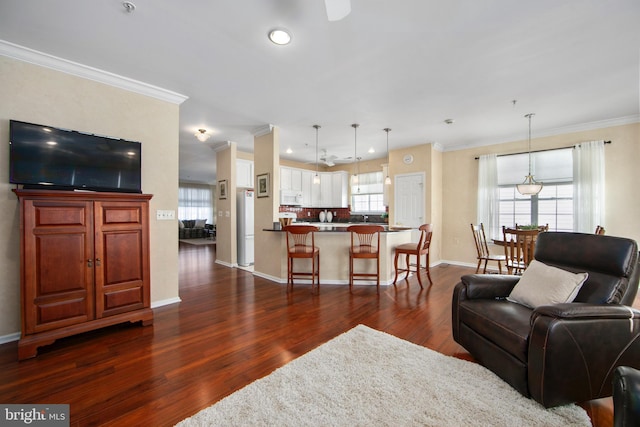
x,y
355,153
316,178
387,180
530,186
202,135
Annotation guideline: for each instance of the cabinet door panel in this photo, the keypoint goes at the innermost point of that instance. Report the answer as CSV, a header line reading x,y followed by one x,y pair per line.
x,y
122,261
57,273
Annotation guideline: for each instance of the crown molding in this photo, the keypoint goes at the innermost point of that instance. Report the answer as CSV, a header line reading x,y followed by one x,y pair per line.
x,y
582,127
262,130
42,59
220,146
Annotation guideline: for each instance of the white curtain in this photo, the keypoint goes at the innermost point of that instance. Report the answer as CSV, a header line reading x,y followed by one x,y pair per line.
x,y
488,195
588,186
195,201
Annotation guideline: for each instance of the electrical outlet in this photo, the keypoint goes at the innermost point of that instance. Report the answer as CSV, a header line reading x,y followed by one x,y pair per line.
x,y
219,213
227,214
165,215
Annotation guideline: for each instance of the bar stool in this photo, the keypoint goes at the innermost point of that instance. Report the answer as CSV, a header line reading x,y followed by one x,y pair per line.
x,y
298,247
363,247
408,249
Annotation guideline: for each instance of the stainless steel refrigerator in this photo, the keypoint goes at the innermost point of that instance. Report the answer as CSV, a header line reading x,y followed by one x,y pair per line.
x,y
245,227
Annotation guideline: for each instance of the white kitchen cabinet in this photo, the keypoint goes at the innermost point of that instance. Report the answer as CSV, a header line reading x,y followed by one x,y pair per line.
x,y
285,178
244,173
339,189
296,179
307,183
326,190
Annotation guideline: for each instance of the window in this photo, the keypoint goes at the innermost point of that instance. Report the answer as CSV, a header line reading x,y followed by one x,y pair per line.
x,y
553,205
367,194
195,201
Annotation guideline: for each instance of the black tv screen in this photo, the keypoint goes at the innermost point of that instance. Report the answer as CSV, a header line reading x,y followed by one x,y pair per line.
x,y
47,157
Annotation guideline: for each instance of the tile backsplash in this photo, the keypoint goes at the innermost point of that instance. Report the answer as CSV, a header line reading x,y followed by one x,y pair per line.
x,y
339,214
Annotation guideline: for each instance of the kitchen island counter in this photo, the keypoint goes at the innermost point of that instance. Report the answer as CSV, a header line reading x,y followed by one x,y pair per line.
x,y
334,241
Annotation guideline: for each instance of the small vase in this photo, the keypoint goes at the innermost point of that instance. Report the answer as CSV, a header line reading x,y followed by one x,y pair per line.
x,y
322,216
329,216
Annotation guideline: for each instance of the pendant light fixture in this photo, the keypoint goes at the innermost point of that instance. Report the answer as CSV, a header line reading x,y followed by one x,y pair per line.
x,y
202,135
529,187
316,178
355,153
387,180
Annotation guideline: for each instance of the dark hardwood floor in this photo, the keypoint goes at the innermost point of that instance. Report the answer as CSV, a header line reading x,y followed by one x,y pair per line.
x,y
230,329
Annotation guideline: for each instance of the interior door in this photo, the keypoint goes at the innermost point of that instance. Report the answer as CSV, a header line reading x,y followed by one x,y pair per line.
x,y
409,200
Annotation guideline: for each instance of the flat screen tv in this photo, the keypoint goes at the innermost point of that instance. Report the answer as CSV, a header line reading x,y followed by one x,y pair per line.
x,y
52,158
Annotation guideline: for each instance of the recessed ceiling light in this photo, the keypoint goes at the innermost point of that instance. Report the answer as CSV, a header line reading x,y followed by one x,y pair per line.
x,y
279,36
289,150
372,150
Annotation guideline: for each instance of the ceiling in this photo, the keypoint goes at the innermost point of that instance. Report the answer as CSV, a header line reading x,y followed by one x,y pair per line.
x,y
407,64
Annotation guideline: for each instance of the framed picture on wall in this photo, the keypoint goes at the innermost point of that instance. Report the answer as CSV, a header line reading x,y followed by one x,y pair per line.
x,y
222,189
263,185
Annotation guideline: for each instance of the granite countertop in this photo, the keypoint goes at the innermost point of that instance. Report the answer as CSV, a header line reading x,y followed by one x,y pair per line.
x,y
341,227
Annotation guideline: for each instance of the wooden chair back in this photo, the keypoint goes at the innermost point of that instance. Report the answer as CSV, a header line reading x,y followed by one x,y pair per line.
x,y
300,238
480,240
365,238
426,233
519,246
599,230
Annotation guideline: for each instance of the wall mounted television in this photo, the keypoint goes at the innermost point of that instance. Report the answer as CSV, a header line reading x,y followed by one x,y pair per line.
x,y
46,157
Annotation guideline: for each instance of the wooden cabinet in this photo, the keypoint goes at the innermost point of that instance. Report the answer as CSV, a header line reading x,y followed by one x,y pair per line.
x,y
84,263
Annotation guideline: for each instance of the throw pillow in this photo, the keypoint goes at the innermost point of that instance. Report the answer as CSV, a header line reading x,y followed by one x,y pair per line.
x,y
200,223
180,224
543,284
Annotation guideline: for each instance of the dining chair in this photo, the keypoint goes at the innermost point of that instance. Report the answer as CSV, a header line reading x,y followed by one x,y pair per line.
x,y
301,245
420,249
483,249
365,244
519,246
599,230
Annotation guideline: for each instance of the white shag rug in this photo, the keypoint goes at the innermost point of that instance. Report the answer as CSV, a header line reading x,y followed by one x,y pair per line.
x,y
365,377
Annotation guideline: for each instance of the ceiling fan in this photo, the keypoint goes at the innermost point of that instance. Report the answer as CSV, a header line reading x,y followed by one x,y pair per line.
x,y
337,9
330,159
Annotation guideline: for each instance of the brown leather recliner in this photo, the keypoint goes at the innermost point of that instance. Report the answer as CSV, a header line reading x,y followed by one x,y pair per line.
x,y
626,397
563,353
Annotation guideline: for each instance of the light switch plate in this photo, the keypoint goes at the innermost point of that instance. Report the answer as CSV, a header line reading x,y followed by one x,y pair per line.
x,y
165,215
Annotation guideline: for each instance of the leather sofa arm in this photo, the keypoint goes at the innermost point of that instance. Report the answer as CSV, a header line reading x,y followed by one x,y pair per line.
x,y
574,349
577,311
626,397
486,286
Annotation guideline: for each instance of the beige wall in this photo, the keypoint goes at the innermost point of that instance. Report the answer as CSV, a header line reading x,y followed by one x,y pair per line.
x,y
459,188
226,246
270,250
40,95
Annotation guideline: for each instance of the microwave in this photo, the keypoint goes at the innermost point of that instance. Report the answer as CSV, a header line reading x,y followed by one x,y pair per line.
x,y
291,197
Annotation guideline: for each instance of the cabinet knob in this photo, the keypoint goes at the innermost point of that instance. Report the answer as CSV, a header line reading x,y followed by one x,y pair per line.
x,y
97,262
89,263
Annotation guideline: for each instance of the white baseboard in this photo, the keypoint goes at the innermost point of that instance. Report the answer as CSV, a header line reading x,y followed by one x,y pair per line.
x,y
164,302
10,338
226,264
